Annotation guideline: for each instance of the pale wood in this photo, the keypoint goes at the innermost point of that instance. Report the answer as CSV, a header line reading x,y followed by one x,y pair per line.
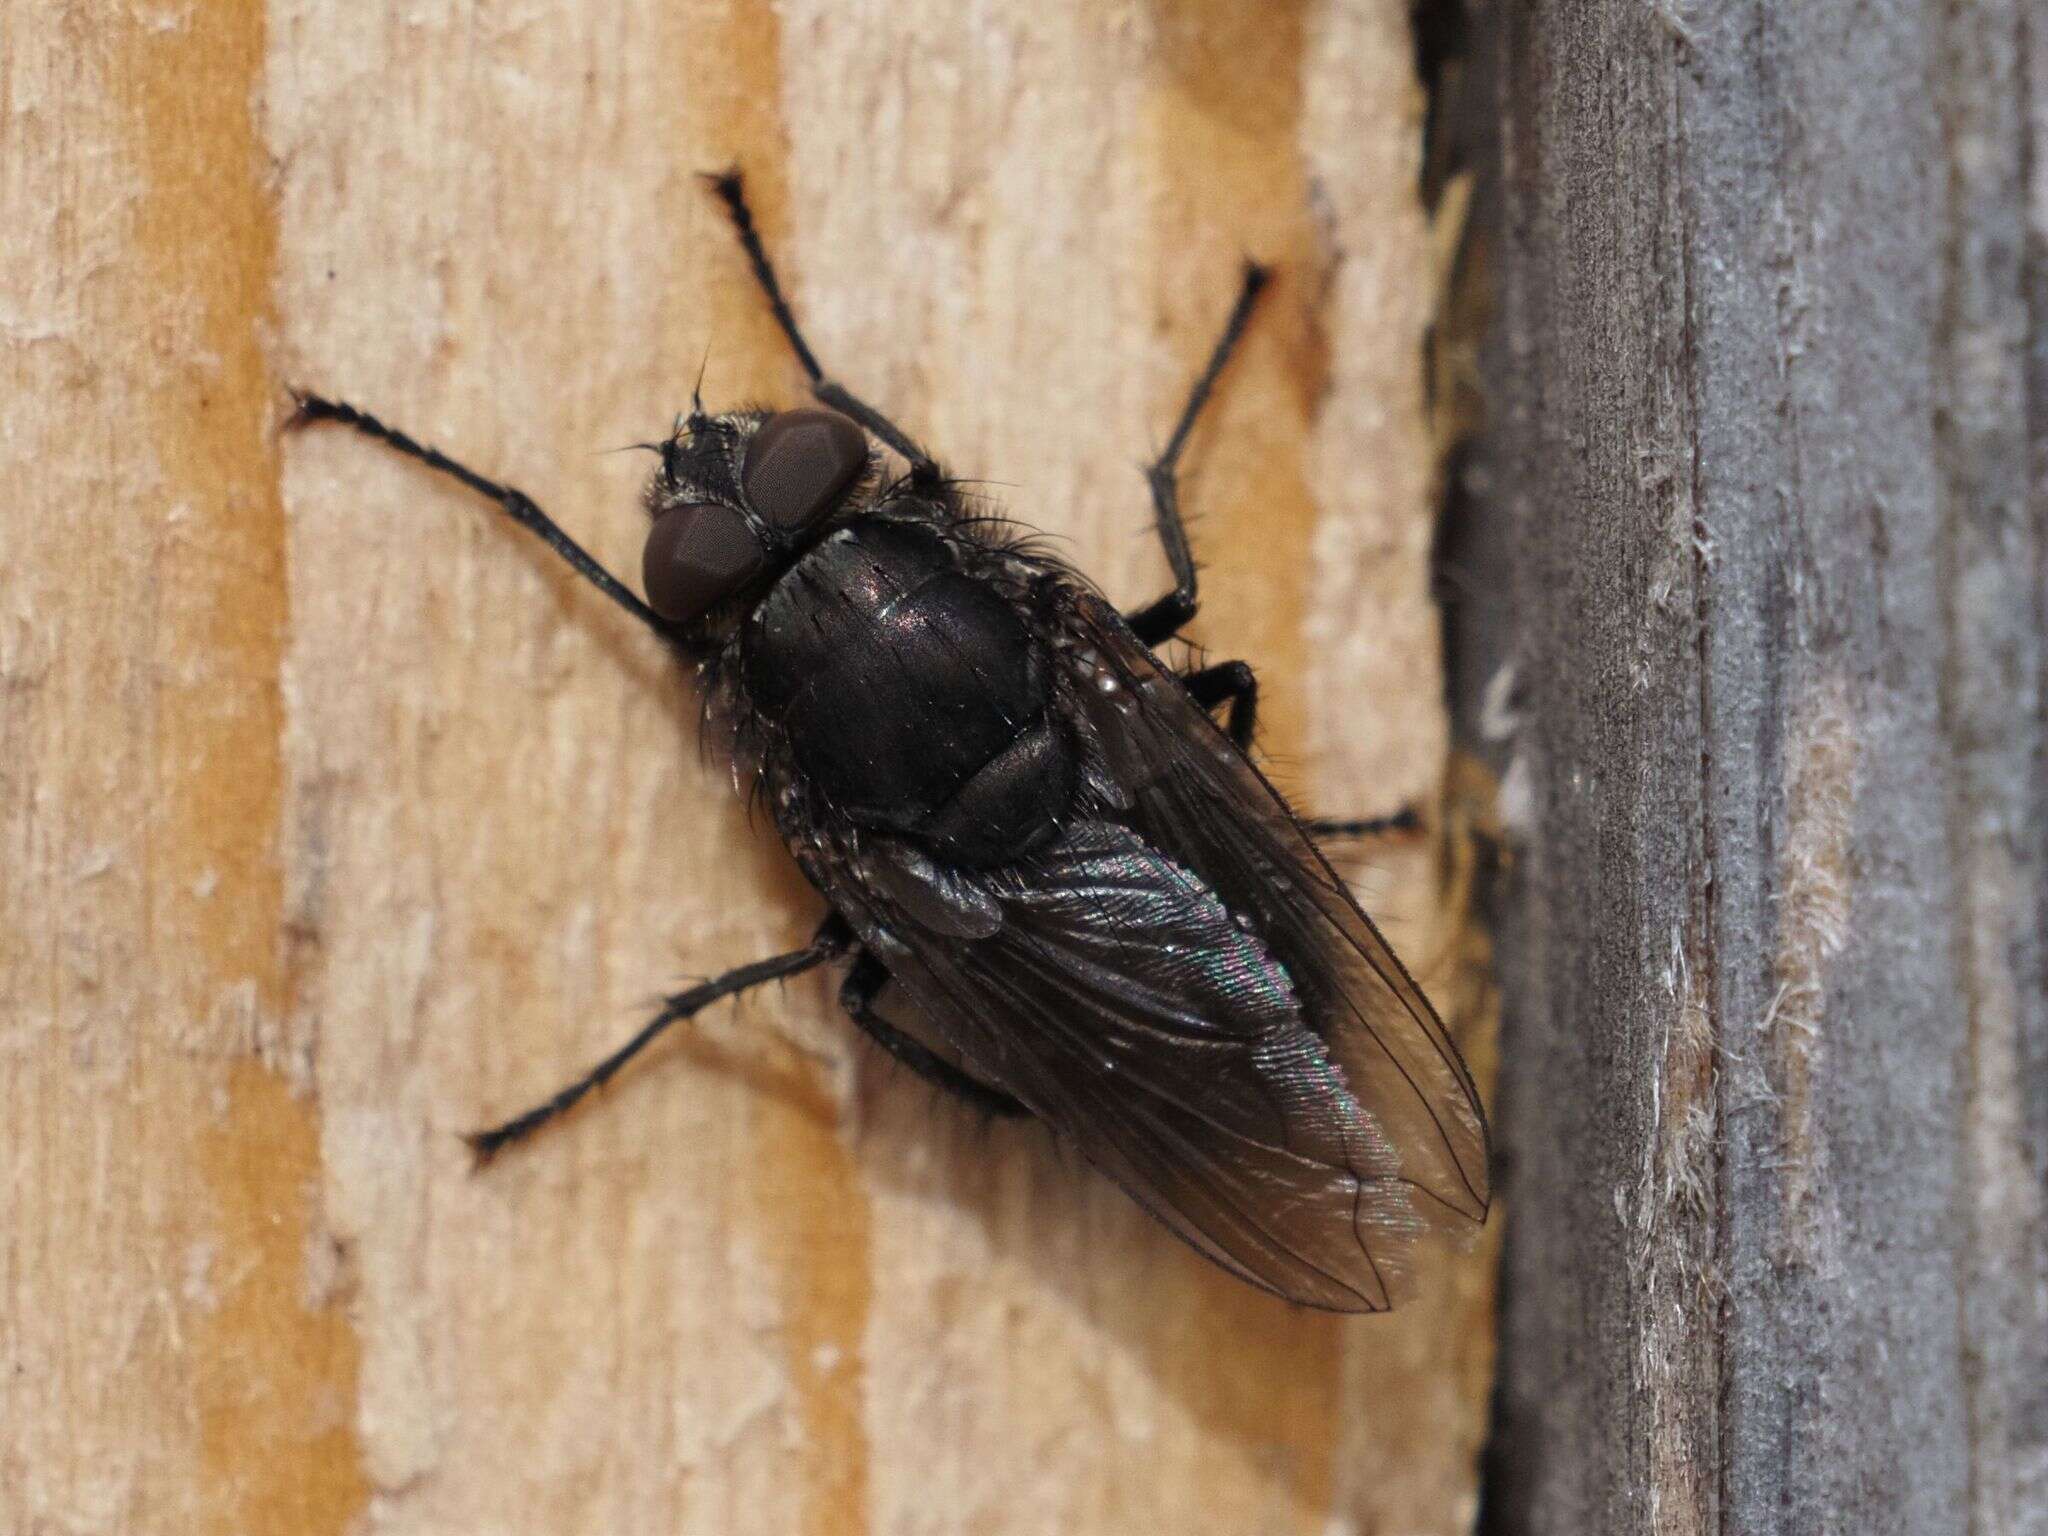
x,y
1777,1120
337,819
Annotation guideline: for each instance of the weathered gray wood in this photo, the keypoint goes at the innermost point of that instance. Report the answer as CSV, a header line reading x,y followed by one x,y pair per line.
x,y
336,818
1776,1096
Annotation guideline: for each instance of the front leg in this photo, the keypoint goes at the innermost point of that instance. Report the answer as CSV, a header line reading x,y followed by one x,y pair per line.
x,y
924,469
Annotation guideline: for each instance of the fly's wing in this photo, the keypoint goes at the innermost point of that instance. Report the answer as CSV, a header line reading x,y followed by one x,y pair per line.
x,y
1197,796
1182,986
1119,999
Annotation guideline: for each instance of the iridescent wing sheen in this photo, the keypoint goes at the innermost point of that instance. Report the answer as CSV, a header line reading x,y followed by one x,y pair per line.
x,y
1199,797
1121,1002
1181,986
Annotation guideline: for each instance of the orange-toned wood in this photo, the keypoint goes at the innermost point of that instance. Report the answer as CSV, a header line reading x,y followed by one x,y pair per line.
x,y
335,820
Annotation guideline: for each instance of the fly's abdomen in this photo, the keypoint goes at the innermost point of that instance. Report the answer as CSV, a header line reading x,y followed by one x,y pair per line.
x,y
911,694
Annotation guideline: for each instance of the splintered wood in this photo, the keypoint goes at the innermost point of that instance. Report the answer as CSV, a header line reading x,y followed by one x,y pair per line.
x,y
340,819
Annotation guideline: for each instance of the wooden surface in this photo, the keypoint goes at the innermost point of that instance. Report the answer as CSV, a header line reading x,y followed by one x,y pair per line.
x,y
1777,1115
335,819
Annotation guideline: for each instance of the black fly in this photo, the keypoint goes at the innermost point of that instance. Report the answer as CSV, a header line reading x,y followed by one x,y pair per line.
x,y
1031,831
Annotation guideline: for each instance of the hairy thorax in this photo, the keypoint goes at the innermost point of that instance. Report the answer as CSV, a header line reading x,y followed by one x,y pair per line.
x,y
912,695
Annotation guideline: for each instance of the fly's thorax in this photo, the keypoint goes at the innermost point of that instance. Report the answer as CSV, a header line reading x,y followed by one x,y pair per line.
x,y
909,690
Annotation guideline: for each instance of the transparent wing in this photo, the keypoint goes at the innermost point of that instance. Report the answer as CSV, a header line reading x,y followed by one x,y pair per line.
x,y
1196,795
1121,1002
1184,988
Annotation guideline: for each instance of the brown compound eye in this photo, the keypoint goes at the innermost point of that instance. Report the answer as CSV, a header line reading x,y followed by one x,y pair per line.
x,y
800,463
697,556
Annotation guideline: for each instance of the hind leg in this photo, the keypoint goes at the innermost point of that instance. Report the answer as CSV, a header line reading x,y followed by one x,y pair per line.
x,y
863,984
832,941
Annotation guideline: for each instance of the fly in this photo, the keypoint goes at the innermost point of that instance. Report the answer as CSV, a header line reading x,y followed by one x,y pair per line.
x,y
1034,835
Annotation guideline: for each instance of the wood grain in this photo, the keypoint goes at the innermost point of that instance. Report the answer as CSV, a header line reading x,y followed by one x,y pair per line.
x,y
1771,453
338,820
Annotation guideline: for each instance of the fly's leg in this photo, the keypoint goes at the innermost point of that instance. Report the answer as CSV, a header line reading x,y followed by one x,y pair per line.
x,y
857,996
924,470
1407,819
1161,620
1233,682
833,939
515,504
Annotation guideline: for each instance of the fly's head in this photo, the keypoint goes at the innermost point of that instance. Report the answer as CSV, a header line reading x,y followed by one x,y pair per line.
x,y
738,498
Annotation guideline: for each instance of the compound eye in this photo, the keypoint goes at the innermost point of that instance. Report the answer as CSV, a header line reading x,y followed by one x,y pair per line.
x,y
800,463
697,556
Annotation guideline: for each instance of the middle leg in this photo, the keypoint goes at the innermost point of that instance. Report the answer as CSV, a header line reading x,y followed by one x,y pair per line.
x,y
1407,819
516,504
1163,618
1233,682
